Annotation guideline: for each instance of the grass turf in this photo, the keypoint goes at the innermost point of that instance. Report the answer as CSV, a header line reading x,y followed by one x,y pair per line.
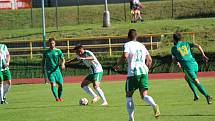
x,y
35,103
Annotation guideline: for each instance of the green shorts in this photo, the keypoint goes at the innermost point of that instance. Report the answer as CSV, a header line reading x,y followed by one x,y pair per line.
x,y
137,82
55,77
5,75
191,71
97,77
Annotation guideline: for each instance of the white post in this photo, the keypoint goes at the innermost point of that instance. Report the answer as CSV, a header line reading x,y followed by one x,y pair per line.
x,y
106,16
43,24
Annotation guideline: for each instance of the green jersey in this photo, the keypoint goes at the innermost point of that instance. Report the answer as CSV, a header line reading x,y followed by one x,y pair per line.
x,y
52,58
182,52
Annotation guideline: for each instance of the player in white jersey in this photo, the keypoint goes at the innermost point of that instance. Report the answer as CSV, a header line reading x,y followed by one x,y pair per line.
x,y
138,59
95,76
5,75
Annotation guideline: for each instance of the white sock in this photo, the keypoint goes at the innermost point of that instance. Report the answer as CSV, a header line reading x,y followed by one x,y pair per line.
x,y
101,94
149,100
1,92
89,91
6,88
130,108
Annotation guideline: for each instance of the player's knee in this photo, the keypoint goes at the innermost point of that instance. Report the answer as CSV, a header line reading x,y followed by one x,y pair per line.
x,y
96,86
196,81
53,84
83,85
9,82
60,86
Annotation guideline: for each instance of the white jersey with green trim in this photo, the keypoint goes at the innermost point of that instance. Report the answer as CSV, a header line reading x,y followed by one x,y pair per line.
x,y
3,56
136,58
93,65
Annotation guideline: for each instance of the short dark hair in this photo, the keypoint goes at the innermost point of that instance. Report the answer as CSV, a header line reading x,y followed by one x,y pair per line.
x,y
132,33
177,36
78,47
51,39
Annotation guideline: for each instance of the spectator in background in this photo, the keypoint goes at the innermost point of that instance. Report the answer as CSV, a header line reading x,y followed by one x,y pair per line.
x,y
135,7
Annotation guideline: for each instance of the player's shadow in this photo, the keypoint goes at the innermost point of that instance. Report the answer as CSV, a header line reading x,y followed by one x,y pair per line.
x,y
191,115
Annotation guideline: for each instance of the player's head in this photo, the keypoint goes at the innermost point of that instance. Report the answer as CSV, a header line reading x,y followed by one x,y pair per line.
x,y
52,43
177,37
79,50
132,34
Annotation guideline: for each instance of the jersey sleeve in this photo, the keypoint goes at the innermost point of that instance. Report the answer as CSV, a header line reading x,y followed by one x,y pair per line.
x,y
172,52
6,50
87,54
190,44
146,52
61,54
126,48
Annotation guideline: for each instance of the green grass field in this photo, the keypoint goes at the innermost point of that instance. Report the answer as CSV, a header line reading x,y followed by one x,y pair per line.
x,y
35,103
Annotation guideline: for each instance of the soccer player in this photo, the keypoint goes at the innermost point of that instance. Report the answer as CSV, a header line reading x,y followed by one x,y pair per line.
x,y
5,75
95,76
138,59
52,64
181,53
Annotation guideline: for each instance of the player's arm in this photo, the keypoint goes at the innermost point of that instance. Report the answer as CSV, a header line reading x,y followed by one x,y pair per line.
x,y
205,58
71,61
87,58
62,60
62,63
148,60
174,60
7,57
122,59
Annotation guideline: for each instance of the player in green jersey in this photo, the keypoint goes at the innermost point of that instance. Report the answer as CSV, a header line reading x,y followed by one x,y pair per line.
x,y
52,64
95,76
5,75
181,53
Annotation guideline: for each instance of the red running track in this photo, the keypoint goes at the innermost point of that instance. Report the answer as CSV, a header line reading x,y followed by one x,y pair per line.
x,y
78,79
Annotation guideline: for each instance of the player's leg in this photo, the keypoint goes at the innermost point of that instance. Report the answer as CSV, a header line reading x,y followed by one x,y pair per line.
x,y
53,84
130,87
139,16
132,16
1,93
203,91
1,89
87,89
143,88
59,81
96,84
135,16
100,92
7,82
192,87
193,76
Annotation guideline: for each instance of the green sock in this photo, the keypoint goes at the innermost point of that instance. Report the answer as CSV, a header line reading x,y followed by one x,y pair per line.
x,y
192,87
202,89
60,90
54,91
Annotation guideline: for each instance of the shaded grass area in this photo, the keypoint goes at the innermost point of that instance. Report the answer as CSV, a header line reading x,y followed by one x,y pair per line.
x,y
35,103
91,14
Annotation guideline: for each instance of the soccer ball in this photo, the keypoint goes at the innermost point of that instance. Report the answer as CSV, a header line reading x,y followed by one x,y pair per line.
x,y
83,101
